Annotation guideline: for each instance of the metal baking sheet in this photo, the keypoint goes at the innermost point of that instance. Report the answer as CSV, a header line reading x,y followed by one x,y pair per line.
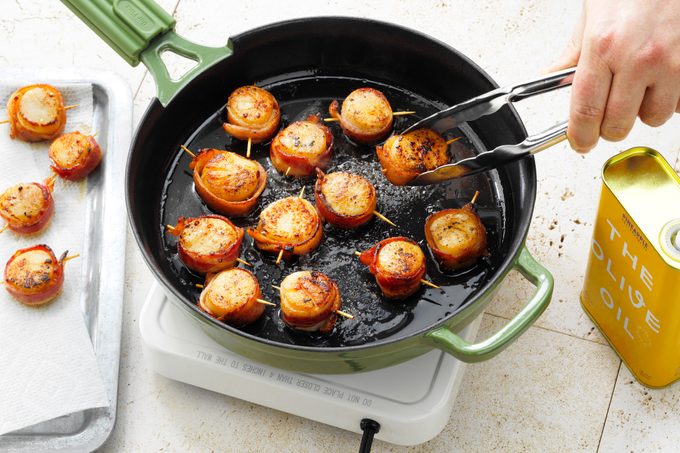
x,y
104,260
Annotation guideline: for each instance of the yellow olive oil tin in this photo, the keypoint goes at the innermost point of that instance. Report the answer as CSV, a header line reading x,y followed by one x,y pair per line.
x,y
632,283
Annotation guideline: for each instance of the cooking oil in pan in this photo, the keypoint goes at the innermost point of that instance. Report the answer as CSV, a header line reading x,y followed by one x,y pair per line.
x,y
632,284
375,317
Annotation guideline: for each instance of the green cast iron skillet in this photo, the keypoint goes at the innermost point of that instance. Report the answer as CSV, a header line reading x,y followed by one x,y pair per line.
x,y
306,63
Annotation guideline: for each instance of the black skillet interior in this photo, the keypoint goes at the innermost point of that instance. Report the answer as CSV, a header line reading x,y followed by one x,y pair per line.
x,y
305,64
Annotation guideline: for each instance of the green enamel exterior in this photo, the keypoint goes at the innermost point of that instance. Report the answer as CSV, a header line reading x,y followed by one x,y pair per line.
x,y
140,30
349,360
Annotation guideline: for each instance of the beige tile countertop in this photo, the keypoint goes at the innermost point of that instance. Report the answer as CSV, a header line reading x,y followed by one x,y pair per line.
x,y
558,388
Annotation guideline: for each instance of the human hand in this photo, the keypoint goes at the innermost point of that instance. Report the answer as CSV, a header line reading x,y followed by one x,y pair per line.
x,y
627,54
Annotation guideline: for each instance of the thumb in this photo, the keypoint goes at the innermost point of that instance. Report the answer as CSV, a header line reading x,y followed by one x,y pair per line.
x,y
572,52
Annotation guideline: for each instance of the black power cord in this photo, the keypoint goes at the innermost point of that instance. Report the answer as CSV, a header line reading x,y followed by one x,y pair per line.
x,y
370,429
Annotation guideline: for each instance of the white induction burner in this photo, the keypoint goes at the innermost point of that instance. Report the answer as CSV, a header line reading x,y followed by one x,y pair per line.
x,y
411,401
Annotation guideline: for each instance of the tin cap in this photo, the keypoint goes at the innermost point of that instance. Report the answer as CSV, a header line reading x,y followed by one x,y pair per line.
x,y
670,239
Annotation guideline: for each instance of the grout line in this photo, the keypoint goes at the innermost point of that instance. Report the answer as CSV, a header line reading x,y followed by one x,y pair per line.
x,y
553,330
611,398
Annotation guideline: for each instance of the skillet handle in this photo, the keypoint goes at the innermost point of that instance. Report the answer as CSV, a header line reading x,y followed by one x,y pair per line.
x,y
539,276
140,30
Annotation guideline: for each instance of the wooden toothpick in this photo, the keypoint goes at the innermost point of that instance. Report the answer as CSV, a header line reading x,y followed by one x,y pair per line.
x,y
344,314
357,253
276,287
265,302
4,228
69,258
4,121
69,107
287,171
250,143
383,218
244,262
199,286
330,120
278,258
474,197
188,151
430,284
170,228
448,142
302,192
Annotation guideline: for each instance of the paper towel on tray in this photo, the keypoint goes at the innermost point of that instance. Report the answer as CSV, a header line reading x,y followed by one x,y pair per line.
x,y
47,362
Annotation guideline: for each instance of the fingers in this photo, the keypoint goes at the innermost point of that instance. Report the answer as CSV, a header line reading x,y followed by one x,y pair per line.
x,y
623,104
572,52
659,104
590,91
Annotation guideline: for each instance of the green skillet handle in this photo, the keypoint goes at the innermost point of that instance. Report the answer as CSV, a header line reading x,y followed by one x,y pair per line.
x,y
140,30
539,276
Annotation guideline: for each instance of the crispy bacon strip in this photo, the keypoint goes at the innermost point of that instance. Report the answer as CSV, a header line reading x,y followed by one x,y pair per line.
x,y
309,301
456,237
36,113
28,208
207,244
227,182
403,157
398,265
366,115
345,200
34,276
232,296
75,155
290,224
252,113
301,147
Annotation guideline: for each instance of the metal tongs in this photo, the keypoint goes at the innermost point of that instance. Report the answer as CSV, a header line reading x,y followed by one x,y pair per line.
x,y
486,104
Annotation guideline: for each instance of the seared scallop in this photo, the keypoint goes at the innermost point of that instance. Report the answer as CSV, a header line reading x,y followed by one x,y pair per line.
x,y
36,113
398,265
34,276
232,296
344,199
456,237
366,115
228,182
290,224
302,147
309,301
208,244
252,113
75,155
403,157
28,208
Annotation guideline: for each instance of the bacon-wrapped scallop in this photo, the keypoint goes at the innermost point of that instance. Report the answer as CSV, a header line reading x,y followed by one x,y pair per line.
x,y
75,155
309,301
207,244
403,157
232,296
34,275
344,199
289,226
252,114
366,115
28,208
301,147
228,182
36,113
456,237
398,265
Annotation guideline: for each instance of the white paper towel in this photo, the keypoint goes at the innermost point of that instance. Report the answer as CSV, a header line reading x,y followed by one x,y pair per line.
x,y
47,363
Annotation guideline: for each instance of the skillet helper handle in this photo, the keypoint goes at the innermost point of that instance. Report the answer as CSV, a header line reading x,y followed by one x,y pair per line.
x,y
539,276
140,30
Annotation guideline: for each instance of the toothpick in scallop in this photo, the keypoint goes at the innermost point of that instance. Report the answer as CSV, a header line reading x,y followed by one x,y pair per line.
x,y
188,151
340,312
278,258
383,218
423,281
448,142
250,143
4,228
244,262
474,197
